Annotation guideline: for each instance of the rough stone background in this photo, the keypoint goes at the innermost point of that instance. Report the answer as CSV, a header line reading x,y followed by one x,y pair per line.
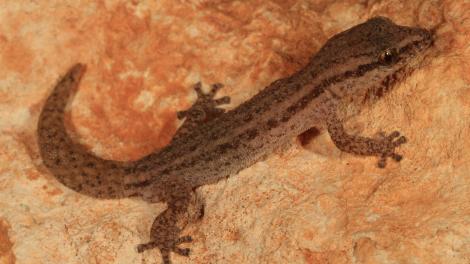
x,y
311,204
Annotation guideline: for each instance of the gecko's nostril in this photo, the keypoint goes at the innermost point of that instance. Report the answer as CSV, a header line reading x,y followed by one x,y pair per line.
x,y
429,35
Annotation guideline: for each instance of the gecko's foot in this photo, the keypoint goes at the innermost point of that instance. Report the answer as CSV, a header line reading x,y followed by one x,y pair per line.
x,y
388,144
206,107
203,110
167,247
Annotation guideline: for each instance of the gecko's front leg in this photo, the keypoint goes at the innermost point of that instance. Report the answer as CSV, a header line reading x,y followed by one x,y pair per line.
x,y
183,206
203,110
383,146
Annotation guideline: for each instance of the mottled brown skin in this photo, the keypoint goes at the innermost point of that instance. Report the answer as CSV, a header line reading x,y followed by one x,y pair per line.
x,y
352,69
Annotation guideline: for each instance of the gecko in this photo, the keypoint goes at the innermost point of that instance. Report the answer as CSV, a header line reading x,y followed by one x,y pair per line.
x,y
351,70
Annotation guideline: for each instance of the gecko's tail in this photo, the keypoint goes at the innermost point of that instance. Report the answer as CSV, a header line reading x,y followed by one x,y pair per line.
x,y
69,161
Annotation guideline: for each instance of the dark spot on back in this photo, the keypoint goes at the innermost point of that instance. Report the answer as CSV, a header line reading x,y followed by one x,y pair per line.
x,y
129,170
272,123
291,109
285,118
224,147
248,117
193,147
190,163
143,167
251,134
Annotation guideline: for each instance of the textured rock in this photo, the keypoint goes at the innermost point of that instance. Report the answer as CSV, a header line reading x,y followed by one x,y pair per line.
x,y
309,204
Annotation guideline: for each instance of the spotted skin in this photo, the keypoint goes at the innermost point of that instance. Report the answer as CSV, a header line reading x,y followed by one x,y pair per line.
x,y
354,68
382,146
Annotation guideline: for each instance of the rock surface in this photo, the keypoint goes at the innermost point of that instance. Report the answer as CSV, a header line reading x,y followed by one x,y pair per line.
x,y
309,204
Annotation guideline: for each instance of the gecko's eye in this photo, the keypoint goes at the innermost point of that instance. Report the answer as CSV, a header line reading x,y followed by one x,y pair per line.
x,y
388,56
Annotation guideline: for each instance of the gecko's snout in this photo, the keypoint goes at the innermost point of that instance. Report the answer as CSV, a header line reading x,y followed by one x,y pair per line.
x,y
422,39
427,36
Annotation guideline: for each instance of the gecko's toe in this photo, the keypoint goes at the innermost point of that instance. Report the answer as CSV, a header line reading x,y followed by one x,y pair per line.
x,y
198,88
399,141
396,157
215,88
222,100
207,95
167,247
182,251
390,142
382,162
393,135
143,247
165,256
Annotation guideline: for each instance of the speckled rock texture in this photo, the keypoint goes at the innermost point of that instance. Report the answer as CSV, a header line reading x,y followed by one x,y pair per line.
x,y
308,204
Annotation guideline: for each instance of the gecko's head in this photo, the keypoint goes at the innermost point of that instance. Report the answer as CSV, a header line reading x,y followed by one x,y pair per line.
x,y
377,53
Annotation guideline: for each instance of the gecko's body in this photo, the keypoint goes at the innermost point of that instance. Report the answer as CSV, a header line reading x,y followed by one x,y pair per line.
x,y
353,68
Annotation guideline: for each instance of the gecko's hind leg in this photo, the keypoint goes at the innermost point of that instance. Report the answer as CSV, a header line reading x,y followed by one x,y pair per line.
x,y
203,110
183,207
383,146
